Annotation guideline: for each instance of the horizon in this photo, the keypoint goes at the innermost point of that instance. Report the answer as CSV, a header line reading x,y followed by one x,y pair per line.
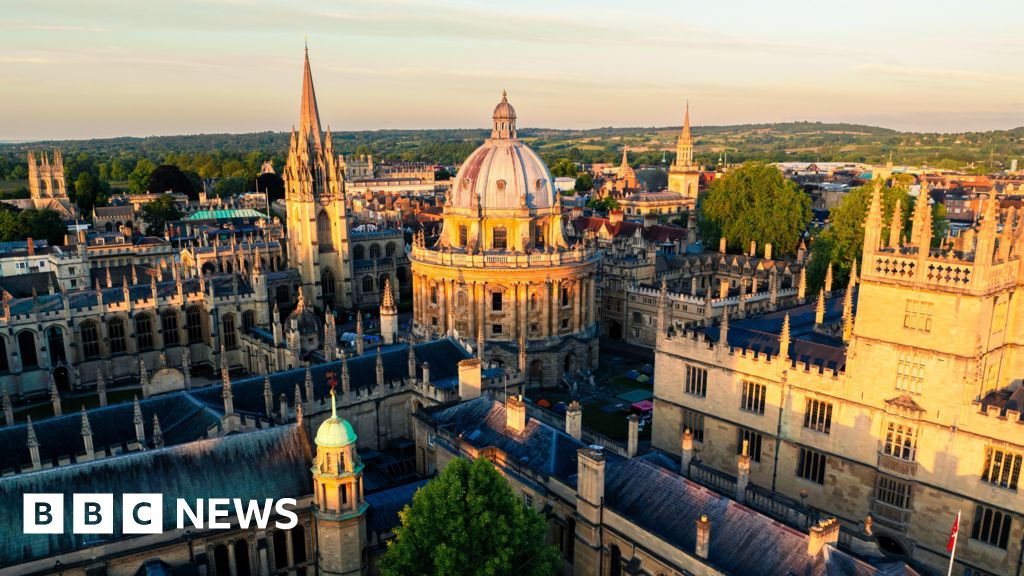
x,y
234,66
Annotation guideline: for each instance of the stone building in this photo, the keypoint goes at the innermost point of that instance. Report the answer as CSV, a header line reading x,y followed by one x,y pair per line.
x,y
612,514
46,186
502,269
901,404
684,175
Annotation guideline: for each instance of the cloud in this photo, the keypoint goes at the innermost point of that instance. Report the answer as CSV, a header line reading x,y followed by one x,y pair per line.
x,y
924,72
54,27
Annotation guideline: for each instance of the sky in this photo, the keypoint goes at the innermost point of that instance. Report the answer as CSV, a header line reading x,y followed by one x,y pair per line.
x,y
104,68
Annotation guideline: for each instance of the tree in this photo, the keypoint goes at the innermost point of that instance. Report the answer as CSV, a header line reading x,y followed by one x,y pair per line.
x,y
226,187
90,192
138,179
584,183
157,213
563,167
755,202
602,204
35,224
467,521
270,184
168,178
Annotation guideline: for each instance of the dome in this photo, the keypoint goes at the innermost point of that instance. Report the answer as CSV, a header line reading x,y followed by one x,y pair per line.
x,y
335,433
503,172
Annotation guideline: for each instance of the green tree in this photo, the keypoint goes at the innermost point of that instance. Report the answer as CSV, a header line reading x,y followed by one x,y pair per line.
x,y
584,182
36,224
563,167
467,521
138,179
90,192
230,186
157,213
603,204
754,202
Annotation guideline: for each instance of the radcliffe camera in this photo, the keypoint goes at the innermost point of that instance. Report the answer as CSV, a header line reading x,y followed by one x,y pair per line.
x,y
459,288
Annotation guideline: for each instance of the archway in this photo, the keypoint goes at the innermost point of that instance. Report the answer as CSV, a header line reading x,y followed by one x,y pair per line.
x,y
569,363
891,545
614,561
328,285
615,330
220,560
61,378
242,564
536,371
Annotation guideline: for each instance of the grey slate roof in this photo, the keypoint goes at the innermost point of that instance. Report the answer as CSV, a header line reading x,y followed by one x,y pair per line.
x,y
386,504
272,463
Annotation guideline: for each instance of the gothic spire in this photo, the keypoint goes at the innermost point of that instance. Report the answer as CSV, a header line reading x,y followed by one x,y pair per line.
x,y
309,116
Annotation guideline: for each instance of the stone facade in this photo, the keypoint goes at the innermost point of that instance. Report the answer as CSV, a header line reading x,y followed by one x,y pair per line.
x,y
684,175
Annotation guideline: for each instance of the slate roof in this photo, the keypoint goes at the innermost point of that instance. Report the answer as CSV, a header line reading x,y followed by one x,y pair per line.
x,y
742,541
21,285
386,504
272,463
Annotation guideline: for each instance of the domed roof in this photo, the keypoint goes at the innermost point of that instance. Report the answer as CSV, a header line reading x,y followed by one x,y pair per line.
x,y
503,172
335,432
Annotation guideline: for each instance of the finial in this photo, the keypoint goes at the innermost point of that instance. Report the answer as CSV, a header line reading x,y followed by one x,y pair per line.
x,y
504,96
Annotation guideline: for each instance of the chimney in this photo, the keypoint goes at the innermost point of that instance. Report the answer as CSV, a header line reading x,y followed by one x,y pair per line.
x,y
721,244
590,475
684,468
634,433
469,378
723,288
574,420
283,403
753,248
768,251
515,414
614,216
743,473
703,537
31,246
425,368
577,211
826,532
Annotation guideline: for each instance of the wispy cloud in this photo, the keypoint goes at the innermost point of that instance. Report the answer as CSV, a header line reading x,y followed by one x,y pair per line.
x,y
49,27
925,72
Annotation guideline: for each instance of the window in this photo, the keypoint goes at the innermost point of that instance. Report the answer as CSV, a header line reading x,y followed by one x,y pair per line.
x,y
368,284
565,325
499,239
565,296
901,441
918,315
1002,468
496,301
696,383
144,332
27,349
694,422
433,294
527,499
539,237
638,318
753,397
359,252
463,235
115,335
910,372
893,492
55,344
195,325
811,466
818,416
169,323
389,249
228,332
753,440
374,251
991,526
4,366
496,329
248,320
90,341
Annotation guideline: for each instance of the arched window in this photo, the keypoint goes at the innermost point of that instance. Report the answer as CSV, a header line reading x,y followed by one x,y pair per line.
x,y
55,344
367,284
433,294
27,349
499,238
328,286
144,332
248,320
4,364
374,251
323,231
389,249
228,331
359,252
115,335
169,323
194,316
283,294
90,340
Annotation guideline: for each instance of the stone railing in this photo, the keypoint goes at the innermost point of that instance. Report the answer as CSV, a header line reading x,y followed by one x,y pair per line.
x,y
501,260
715,479
896,466
898,518
940,272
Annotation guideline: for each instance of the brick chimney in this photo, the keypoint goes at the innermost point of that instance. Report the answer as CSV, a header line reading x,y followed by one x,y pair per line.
x,y
703,537
768,251
826,532
515,414
615,216
721,244
469,378
723,288
634,435
574,420
31,246
753,248
684,467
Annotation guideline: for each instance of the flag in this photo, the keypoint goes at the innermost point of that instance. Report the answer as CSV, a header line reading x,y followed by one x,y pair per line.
x,y
953,533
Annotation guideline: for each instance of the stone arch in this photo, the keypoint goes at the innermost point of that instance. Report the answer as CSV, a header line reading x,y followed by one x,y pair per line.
x,y
61,377
27,349
221,565
243,567
569,363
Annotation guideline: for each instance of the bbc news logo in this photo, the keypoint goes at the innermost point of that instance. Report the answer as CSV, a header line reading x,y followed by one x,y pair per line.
x,y
144,513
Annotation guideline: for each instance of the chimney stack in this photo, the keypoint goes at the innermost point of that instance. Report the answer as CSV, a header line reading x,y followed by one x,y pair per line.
x,y
743,473
469,378
684,468
826,532
753,248
574,420
723,288
703,537
634,433
425,368
614,216
768,251
515,414
721,244
590,475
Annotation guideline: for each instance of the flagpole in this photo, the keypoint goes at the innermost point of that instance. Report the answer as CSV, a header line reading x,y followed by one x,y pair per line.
x,y
956,536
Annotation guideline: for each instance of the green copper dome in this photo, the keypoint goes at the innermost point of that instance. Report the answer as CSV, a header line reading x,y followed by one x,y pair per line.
x,y
335,432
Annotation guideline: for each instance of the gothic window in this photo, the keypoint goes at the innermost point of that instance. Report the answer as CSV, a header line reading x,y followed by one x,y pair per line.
x,y
328,285
27,349
753,397
696,383
499,238
144,332
323,232
1002,468
753,440
374,251
811,466
116,336
359,252
169,327
367,284
55,344
901,441
818,416
195,324
991,526
228,331
389,249
248,320
4,365
90,340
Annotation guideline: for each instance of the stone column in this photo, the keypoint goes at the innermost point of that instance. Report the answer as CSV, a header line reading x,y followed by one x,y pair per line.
x,y
232,566
577,304
545,309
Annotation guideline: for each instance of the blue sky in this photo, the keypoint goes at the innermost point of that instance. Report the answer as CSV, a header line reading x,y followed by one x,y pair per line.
x,y
98,68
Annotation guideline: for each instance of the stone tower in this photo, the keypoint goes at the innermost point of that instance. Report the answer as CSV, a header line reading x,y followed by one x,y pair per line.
x,y
318,227
684,175
339,509
388,315
46,180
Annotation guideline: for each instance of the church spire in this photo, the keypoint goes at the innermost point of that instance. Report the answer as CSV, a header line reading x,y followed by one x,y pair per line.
x,y
309,116
684,147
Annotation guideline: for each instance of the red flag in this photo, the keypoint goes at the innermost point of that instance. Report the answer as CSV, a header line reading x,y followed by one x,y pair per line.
x,y
952,534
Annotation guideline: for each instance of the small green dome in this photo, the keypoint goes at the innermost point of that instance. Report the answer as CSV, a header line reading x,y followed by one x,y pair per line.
x,y
335,433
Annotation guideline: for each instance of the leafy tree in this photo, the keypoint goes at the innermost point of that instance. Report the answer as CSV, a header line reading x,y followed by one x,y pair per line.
x,y
36,224
603,204
169,178
755,202
442,174
90,191
272,185
138,179
157,213
231,186
468,522
584,183
564,167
